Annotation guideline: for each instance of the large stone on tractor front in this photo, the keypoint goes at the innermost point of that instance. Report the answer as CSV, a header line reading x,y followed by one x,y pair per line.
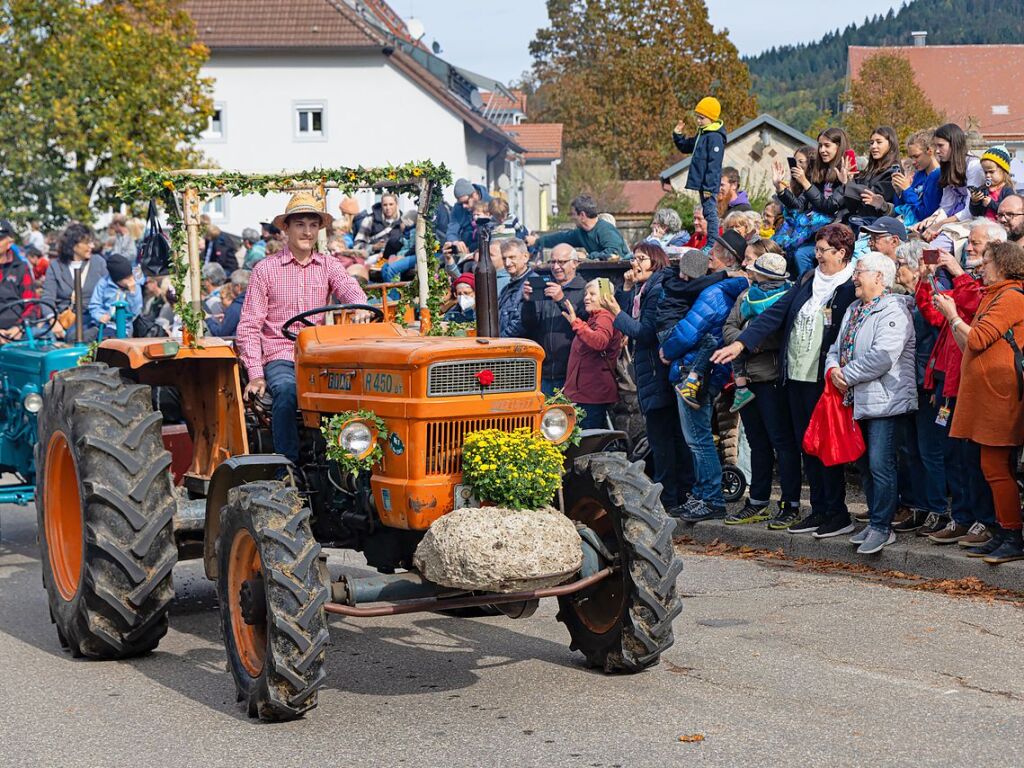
x,y
492,549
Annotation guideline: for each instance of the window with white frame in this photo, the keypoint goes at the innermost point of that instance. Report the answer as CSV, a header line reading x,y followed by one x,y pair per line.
x,y
215,207
215,125
310,121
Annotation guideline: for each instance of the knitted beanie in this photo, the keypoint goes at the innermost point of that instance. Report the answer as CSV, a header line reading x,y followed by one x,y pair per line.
x,y
709,107
998,155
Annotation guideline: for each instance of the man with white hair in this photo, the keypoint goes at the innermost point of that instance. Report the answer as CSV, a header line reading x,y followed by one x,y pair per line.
x,y
542,315
982,232
232,296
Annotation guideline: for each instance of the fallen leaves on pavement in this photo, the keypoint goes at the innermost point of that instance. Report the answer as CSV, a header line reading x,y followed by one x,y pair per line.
x,y
691,738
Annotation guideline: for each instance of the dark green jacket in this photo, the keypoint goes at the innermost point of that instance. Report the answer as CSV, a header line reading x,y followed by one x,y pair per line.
x,y
602,242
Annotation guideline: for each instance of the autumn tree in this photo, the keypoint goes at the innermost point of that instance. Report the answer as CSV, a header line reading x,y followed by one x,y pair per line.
x,y
886,93
587,172
91,90
619,74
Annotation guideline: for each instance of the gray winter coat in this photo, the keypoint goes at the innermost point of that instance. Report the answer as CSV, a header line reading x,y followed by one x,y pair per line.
x,y
881,371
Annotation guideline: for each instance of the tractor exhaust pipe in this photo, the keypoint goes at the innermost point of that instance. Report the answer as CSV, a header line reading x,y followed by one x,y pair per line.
x,y
79,338
486,278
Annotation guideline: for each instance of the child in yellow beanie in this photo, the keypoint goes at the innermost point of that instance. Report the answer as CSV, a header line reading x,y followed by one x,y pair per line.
x,y
998,183
707,151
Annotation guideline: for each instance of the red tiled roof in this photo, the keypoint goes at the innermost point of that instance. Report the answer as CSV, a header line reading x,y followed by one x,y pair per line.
x,y
497,101
542,141
981,82
275,24
641,196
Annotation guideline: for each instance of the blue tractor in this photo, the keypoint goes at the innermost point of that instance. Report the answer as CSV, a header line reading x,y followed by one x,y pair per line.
x,y
25,367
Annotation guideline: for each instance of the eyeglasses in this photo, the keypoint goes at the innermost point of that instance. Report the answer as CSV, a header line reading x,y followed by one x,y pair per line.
x,y
1008,215
823,251
561,262
862,271
641,257
874,237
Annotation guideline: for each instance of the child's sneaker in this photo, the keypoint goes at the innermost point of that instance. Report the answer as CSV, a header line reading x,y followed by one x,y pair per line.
x,y
740,397
689,390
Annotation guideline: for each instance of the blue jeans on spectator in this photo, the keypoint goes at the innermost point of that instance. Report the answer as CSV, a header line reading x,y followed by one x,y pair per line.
x,y
596,415
804,258
929,476
392,271
970,495
549,385
827,484
707,468
710,208
878,469
702,360
280,378
769,431
673,467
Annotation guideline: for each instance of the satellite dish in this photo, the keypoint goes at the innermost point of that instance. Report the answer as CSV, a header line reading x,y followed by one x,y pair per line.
x,y
436,48
504,182
476,99
416,29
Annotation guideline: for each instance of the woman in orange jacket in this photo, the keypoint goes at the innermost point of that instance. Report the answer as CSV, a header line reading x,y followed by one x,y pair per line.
x,y
990,408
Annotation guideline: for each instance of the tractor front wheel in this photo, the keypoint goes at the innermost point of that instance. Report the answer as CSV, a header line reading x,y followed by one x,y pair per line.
x,y
105,506
623,623
272,591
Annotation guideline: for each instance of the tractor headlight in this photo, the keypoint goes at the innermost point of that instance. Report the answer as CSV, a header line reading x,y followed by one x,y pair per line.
x,y
557,423
357,439
33,402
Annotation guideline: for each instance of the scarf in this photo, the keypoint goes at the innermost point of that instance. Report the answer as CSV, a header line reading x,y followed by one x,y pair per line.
x,y
823,286
760,296
857,318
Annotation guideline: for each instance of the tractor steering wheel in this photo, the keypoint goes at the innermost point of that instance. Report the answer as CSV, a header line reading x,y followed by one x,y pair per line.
x,y
41,326
301,317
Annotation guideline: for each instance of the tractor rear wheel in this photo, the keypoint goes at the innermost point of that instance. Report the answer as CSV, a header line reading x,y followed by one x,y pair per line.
x,y
105,507
623,623
272,591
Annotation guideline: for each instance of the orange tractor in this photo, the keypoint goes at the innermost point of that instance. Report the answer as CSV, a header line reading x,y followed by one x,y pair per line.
x,y
114,519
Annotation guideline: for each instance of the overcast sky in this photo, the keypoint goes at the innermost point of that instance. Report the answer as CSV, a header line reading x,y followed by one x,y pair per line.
x,y
492,37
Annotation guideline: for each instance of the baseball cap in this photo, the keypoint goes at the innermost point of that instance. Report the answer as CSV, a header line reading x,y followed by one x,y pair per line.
x,y
887,225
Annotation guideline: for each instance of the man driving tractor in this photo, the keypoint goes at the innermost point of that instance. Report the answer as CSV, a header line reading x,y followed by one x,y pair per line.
x,y
296,280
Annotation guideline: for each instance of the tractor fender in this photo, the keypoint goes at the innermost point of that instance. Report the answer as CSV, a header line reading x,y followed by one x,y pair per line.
x,y
594,441
236,471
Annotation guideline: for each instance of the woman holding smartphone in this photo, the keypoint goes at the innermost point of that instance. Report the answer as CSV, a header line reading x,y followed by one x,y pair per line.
x,y
874,183
958,171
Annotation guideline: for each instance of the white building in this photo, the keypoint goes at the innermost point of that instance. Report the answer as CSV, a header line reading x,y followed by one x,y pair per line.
x,y
304,83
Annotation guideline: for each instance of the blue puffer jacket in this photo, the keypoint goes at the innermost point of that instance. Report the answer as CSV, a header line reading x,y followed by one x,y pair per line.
x,y
652,386
707,315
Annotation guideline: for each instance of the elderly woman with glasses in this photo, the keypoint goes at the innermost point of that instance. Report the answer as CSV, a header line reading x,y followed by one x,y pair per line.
x,y
872,364
806,320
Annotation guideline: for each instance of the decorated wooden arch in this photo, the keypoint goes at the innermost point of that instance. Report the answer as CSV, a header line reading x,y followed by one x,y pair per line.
x,y
183,191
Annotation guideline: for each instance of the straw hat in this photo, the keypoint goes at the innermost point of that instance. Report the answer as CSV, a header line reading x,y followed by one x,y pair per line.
x,y
303,202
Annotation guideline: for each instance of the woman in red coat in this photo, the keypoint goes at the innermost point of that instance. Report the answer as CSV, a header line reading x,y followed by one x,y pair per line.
x,y
590,379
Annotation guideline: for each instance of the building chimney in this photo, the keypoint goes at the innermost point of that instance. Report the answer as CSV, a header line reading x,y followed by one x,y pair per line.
x,y
920,37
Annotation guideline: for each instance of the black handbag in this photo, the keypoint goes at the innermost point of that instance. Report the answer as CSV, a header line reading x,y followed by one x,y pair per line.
x,y
154,251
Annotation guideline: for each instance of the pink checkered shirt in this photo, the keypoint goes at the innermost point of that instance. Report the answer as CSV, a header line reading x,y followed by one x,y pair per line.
x,y
280,288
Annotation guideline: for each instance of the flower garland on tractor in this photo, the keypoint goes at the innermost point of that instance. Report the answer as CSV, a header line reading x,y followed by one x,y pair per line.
x,y
165,185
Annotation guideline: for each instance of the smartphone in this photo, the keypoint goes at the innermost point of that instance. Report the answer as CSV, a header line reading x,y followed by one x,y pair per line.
x,y
851,160
930,255
537,284
896,168
605,288
792,162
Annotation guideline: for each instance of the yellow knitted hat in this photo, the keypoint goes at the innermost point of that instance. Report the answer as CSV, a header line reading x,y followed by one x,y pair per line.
x,y
709,107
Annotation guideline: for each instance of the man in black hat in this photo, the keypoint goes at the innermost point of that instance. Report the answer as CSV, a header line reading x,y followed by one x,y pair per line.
x,y
15,284
885,234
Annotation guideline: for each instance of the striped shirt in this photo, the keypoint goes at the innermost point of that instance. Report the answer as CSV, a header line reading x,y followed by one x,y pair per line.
x,y
280,288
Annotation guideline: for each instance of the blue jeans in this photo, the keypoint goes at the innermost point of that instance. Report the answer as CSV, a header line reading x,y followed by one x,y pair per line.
x,y
827,484
710,209
804,258
280,377
878,468
701,363
673,467
769,431
707,469
931,445
549,385
971,496
392,271
596,415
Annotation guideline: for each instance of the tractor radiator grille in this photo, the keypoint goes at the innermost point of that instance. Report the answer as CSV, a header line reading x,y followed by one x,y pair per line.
x,y
445,438
459,377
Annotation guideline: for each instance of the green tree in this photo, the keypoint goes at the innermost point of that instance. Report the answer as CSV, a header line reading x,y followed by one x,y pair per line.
x,y
886,93
619,74
92,90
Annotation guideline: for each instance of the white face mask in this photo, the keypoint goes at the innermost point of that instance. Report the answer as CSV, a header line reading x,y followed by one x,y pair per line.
x,y
467,302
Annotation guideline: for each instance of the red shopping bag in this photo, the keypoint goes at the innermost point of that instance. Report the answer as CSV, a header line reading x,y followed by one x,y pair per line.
x,y
833,436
